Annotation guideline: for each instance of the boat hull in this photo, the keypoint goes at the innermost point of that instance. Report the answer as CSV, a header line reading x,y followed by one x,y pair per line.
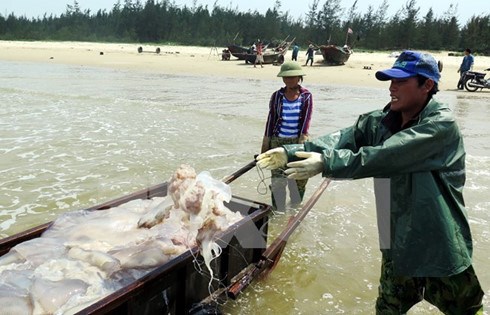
x,y
334,55
269,58
174,287
239,51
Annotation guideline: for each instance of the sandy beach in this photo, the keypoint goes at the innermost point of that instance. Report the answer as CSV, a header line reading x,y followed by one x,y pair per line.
x,y
189,60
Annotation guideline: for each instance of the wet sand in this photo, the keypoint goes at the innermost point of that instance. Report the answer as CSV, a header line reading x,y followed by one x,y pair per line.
x,y
189,60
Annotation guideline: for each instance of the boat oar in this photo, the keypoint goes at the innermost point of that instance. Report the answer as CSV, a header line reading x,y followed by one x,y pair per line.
x,y
272,254
229,178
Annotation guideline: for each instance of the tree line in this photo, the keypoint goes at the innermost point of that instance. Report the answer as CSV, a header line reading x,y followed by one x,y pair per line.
x,y
325,22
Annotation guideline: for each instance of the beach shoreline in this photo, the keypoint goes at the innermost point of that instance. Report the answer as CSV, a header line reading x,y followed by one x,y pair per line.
x,y
359,70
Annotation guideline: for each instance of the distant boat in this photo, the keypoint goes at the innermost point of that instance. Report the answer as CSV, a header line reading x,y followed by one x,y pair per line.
x,y
335,55
242,53
272,55
239,51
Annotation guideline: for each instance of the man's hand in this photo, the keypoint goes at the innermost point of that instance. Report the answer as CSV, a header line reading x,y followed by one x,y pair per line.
x,y
272,159
304,169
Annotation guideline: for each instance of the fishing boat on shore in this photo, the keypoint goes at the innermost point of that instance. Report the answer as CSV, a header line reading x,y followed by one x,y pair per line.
x,y
335,55
272,55
239,51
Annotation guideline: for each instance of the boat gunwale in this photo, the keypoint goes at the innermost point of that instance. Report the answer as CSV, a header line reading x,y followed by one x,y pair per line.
x,y
153,280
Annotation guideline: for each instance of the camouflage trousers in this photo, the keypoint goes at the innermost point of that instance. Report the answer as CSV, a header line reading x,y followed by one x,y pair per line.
x,y
279,181
460,294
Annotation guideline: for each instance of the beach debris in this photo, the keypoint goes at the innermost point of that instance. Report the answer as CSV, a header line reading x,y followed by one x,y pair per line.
x,y
157,50
86,255
225,54
101,53
394,54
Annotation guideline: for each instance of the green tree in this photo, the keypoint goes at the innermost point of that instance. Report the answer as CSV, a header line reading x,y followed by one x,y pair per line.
x,y
408,25
372,25
312,22
330,21
164,21
476,35
429,35
449,29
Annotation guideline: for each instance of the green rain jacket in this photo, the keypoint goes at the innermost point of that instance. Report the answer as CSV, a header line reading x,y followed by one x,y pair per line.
x,y
428,231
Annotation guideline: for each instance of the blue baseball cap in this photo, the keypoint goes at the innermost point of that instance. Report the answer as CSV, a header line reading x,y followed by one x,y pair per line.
x,y
409,64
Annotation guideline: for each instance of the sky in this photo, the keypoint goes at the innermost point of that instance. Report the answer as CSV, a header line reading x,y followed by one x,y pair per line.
x,y
296,8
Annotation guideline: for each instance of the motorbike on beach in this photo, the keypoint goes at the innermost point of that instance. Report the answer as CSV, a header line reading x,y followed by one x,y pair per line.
x,y
476,80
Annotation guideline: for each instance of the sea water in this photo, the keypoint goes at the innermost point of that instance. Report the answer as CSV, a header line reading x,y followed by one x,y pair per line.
x,y
75,136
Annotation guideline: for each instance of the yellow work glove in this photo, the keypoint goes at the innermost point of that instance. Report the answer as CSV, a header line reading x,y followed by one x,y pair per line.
x,y
304,169
272,159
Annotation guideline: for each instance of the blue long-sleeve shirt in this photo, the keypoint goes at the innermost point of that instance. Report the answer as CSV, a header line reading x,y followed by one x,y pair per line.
x,y
466,63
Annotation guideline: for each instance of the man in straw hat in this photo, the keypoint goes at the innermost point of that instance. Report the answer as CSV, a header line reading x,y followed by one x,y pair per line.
x,y
309,55
414,151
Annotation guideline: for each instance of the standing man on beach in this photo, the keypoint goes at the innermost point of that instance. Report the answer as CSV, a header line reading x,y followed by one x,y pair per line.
x,y
309,55
259,57
414,151
466,65
295,52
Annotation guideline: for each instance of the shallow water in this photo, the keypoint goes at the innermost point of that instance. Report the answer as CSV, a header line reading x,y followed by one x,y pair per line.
x,y
74,136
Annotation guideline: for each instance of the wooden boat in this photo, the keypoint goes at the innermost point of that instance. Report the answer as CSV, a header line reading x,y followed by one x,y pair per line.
x,y
335,55
176,286
239,51
273,55
270,57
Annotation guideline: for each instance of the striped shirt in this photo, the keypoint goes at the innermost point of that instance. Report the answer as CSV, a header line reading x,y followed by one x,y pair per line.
x,y
291,110
274,119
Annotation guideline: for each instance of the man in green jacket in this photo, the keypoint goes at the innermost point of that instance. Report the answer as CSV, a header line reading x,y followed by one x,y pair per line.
x,y
414,151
